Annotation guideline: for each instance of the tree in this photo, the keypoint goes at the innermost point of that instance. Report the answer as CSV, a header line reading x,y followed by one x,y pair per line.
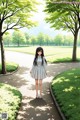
x,y
18,38
27,36
58,40
7,39
65,16
14,14
47,39
33,40
40,38
68,40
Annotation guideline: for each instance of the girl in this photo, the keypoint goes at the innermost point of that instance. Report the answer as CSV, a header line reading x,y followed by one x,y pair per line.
x,y
38,71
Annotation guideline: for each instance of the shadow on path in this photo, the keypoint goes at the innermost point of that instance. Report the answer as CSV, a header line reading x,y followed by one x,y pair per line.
x,y
38,102
16,79
37,109
31,108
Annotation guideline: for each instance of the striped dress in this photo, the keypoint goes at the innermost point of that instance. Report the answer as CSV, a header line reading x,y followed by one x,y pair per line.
x,y
39,71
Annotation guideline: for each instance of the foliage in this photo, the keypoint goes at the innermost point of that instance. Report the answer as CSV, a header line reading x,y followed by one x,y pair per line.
x,y
27,39
10,67
68,40
66,88
58,40
65,16
16,13
47,39
33,40
40,38
27,36
18,38
62,16
10,99
7,39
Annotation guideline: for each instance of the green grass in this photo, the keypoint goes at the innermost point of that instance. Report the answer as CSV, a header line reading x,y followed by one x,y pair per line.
x,y
52,53
10,67
48,50
66,88
10,99
59,59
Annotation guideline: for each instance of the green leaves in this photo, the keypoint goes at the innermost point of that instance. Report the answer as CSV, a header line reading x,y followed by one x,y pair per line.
x,y
18,38
62,15
17,13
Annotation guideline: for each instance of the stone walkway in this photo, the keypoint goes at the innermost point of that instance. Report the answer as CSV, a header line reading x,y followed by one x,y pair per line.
x,y
31,108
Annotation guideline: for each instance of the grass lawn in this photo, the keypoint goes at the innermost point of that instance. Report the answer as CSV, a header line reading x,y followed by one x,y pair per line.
x,y
10,99
10,67
66,88
52,53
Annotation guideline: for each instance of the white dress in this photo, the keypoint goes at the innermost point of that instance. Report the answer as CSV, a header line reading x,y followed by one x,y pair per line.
x,y
38,71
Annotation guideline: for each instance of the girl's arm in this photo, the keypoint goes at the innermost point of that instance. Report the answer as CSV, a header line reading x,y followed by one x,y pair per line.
x,y
31,68
45,63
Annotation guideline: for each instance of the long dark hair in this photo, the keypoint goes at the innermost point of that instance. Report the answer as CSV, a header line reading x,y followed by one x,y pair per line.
x,y
36,55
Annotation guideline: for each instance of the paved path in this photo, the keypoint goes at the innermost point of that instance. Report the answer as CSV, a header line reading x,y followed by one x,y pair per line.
x,y
31,108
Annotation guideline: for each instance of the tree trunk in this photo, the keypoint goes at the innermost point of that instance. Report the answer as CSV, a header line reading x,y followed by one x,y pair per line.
x,y
2,56
74,57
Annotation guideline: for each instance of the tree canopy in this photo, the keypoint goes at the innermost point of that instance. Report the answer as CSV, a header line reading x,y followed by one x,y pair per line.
x,y
16,14
63,16
66,17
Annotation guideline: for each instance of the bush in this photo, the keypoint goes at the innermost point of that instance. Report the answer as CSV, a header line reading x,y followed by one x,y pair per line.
x,y
66,88
10,67
10,99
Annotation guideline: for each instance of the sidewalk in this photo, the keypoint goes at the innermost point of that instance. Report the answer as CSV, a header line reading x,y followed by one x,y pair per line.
x,y
31,108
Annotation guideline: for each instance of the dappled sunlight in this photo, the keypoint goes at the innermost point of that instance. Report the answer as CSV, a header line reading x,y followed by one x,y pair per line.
x,y
43,108
71,105
32,108
68,89
77,77
57,68
70,73
36,109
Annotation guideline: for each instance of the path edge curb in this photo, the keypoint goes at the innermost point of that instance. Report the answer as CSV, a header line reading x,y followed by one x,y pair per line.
x,y
56,104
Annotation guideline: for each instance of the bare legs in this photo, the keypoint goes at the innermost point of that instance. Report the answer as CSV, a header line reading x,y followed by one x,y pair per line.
x,y
38,87
36,83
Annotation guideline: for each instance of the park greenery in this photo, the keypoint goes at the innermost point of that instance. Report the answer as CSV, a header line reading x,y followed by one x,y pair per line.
x,y
19,38
52,53
64,16
10,67
66,88
10,100
14,14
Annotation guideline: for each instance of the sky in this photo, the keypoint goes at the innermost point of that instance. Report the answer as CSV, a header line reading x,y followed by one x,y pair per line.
x,y
42,25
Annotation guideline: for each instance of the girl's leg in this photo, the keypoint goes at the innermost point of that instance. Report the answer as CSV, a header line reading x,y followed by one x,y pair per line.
x,y
40,86
36,83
